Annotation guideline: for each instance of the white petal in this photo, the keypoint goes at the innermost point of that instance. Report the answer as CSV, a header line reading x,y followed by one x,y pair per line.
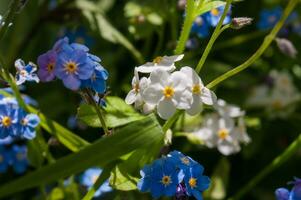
x,y
226,122
183,99
178,81
166,109
196,106
228,148
148,108
191,76
150,67
208,136
152,94
19,64
130,97
208,97
159,76
144,83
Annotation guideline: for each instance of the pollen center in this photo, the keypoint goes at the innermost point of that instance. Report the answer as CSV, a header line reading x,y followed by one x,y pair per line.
x,y
223,133
185,160
168,92
6,121
71,67
166,180
136,87
196,89
215,12
157,60
23,72
24,122
192,182
50,67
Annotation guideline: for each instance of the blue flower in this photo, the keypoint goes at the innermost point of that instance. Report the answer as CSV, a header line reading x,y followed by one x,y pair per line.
x,y
195,182
97,82
6,141
4,159
72,66
269,18
294,194
182,161
89,178
79,36
27,124
25,72
19,158
161,178
8,120
46,63
215,14
200,27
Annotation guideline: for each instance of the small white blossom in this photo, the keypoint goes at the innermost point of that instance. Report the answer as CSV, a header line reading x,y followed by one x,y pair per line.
x,y
25,72
166,63
200,94
228,110
240,131
168,92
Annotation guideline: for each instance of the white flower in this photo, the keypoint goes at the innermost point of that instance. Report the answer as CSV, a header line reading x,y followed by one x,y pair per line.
x,y
166,63
241,131
168,92
220,132
25,72
282,81
228,110
259,96
200,94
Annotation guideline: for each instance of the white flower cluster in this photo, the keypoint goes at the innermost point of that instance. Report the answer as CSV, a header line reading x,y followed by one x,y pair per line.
x,y
167,90
224,129
278,98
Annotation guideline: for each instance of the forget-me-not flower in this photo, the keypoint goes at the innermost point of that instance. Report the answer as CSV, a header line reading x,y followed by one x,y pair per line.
x,y
25,72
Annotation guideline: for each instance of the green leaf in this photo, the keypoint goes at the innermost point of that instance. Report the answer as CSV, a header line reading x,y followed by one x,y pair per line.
x,y
118,113
144,133
209,6
122,180
36,151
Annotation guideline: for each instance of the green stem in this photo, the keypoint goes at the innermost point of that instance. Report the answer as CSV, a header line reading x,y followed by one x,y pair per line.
x,y
276,163
267,41
171,120
190,14
99,113
218,30
13,7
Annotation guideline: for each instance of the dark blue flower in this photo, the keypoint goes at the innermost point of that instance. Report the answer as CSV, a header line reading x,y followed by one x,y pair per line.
x,y
27,125
269,18
161,178
200,27
182,161
97,82
195,182
72,66
215,15
6,141
19,158
8,120
4,159
89,177
25,72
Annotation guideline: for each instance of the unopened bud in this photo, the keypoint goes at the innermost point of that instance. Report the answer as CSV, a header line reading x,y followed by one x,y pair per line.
x,y
240,22
286,47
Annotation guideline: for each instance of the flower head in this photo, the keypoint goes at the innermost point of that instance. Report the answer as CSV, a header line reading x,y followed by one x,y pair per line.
x,y
46,63
294,194
268,18
8,120
97,82
215,15
19,158
25,72
27,124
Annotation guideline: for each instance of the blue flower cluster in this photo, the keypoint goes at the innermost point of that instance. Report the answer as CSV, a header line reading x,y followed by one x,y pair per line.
x,y
15,156
174,175
14,121
74,65
201,25
294,194
88,179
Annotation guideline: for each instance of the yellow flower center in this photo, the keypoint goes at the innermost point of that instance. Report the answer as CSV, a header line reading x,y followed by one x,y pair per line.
x,y
192,182
223,133
23,72
215,12
24,122
277,104
157,60
71,67
166,180
196,89
6,121
185,160
50,67
168,92
136,87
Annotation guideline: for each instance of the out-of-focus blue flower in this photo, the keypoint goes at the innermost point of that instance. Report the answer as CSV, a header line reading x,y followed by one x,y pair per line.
x,y
200,27
79,36
195,182
89,177
215,14
8,120
46,63
6,141
72,67
27,125
25,72
161,178
192,43
19,158
4,159
294,194
269,18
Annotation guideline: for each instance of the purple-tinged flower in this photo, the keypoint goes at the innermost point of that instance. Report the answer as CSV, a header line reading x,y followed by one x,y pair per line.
x,y
195,182
294,194
4,159
46,63
60,44
25,72
19,158
73,66
282,194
